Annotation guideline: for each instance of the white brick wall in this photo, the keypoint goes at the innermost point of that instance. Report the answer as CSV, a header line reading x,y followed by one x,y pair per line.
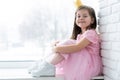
x,y
109,28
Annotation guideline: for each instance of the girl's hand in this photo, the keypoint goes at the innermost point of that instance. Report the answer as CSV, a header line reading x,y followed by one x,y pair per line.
x,y
55,43
54,49
54,46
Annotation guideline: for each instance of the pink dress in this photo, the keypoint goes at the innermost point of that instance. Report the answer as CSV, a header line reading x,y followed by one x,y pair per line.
x,y
84,64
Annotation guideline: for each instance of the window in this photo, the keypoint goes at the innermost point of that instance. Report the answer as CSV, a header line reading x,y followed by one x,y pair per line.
x,y
27,27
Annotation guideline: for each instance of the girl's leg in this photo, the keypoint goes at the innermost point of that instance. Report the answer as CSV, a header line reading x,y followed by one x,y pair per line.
x,y
58,57
44,67
55,59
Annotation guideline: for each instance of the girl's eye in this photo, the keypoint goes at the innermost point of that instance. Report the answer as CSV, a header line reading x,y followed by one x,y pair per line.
x,y
81,16
84,16
78,16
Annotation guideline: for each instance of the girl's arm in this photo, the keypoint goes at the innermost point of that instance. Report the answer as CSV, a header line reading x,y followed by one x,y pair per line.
x,y
73,47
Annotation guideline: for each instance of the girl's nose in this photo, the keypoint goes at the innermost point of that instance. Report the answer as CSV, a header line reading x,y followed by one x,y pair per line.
x,y
81,18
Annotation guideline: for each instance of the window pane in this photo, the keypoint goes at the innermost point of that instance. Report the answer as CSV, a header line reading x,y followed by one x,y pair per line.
x,y
27,27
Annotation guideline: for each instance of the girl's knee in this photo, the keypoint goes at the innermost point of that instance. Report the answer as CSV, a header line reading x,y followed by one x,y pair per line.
x,y
67,42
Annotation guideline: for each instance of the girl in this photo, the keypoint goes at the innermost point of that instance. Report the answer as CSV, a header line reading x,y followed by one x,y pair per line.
x,y
78,58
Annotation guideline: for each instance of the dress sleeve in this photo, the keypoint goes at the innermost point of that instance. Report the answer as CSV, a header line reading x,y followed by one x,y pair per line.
x,y
91,35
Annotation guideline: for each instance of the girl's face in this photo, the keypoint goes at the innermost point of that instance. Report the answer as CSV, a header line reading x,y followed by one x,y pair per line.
x,y
83,19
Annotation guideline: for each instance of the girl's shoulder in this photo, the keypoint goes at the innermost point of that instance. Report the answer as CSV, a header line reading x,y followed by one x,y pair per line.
x,y
90,32
91,35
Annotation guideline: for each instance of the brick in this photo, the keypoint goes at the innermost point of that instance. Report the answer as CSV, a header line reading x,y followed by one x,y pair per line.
x,y
114,36
106,45
113,18
103,3
109,54
111,2
104,20
105,11
111,27
107,78
116,46
118,27
110,63
104,36
102,29
116,8
110,73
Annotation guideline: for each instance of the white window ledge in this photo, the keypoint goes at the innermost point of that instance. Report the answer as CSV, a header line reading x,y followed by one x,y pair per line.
x,y
98,78
22,74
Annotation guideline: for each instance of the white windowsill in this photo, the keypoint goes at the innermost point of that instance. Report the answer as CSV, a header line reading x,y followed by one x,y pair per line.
x,y
22,74
98,77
